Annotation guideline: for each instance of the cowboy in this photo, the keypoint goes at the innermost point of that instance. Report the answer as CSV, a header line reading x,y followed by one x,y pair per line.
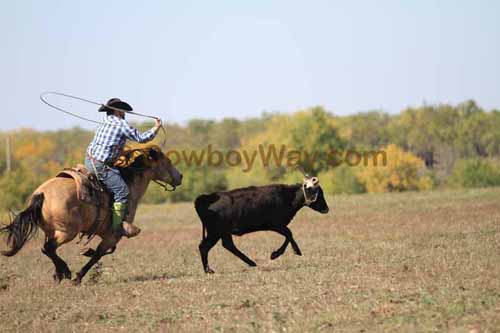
x,y
103,152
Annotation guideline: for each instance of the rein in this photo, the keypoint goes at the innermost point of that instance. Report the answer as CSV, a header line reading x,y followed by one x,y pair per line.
x,y
165,186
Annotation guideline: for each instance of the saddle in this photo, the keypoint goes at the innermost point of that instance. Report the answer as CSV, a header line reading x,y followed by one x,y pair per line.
x,y
89,188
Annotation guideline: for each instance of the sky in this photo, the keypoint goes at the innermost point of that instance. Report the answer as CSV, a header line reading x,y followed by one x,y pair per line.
x,y
181,60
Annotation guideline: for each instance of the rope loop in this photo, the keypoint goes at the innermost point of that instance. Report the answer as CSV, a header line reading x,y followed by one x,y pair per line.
x,y
44,100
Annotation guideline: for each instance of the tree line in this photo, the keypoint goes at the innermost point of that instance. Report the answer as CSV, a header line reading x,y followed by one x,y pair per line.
x,y
421,148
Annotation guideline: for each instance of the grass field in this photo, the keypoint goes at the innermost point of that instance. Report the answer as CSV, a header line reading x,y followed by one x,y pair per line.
x,y
388,262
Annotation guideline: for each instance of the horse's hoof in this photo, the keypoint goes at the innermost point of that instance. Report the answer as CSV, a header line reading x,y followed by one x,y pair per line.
x,y
88,253
67,275
77,281
275,255
298,253
209,271
252,264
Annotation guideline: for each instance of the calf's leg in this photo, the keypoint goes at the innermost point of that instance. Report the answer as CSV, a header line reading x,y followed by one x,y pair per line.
x,y
227,242
285,231
281,250
205,246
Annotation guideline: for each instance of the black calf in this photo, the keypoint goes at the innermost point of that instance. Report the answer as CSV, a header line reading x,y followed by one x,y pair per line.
x,y
250,209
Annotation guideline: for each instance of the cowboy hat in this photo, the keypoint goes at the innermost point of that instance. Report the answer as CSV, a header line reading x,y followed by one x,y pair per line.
x,y
115,103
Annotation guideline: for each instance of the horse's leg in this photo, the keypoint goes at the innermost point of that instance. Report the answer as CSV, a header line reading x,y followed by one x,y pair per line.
x,y
49,249
101,250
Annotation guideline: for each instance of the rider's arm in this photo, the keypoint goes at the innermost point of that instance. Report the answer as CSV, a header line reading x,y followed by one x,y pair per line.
x,y
132,133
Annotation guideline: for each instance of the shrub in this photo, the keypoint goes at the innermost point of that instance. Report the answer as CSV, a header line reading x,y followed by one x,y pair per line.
x,y
341,179
475,173
155,195
199,180
404,171
17,186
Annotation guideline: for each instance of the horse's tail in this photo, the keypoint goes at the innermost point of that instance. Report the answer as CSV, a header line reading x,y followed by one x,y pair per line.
x,y
24,226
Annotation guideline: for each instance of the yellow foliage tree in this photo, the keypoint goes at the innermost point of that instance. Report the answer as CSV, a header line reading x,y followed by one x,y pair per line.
x,y
403,171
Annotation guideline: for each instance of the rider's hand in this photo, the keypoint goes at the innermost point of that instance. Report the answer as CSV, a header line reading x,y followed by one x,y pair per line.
x,y
157,124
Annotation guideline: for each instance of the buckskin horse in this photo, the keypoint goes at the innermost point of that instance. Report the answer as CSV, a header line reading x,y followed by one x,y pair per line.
x,y
55,208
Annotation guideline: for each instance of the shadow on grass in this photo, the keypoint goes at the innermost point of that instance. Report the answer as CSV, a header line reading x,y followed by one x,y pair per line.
x,y
153,277
166,276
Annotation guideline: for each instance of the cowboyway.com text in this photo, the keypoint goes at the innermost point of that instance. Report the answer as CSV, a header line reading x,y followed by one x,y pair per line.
x,y
270,155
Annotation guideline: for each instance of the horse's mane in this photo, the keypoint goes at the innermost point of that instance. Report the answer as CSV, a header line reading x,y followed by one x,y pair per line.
x,y
135,160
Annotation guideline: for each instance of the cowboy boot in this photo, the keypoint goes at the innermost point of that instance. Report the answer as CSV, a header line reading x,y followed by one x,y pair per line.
x,y
120,227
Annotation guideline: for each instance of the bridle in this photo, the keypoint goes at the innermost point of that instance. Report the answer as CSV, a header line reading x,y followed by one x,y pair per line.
x,y
162,184
165,186
310,183
308,201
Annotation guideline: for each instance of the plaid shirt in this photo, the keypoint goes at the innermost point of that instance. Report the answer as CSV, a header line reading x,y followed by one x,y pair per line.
x,y
110,138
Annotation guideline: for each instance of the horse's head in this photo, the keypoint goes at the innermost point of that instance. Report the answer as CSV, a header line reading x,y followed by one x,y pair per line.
x,y
150,161
162,167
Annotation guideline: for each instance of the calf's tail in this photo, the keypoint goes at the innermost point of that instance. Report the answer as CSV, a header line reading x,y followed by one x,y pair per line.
x,y
24,226
201,207
207,215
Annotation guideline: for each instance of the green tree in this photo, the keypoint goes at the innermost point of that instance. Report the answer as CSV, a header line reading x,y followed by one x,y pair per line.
x,y
366,130
475,173
315,133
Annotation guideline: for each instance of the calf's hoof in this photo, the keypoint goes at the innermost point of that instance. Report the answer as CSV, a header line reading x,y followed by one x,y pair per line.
x,y
67,274
57,277
208,270
275,255
252,264
77,281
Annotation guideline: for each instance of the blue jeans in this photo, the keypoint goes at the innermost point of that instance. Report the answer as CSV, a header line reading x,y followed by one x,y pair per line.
x,y
111,178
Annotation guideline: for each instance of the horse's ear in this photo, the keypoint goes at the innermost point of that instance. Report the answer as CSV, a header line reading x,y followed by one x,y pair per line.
x,y
154,154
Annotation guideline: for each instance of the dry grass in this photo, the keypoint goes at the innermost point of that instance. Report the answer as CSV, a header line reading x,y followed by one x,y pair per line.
x,y
394,262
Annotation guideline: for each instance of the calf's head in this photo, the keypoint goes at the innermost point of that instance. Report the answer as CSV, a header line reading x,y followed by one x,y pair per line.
x,y
313,195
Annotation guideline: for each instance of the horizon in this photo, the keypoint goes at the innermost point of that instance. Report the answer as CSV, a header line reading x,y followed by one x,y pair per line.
x,y
138,122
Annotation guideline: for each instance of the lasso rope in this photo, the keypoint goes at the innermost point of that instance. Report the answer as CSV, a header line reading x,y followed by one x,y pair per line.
x,y
44,100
